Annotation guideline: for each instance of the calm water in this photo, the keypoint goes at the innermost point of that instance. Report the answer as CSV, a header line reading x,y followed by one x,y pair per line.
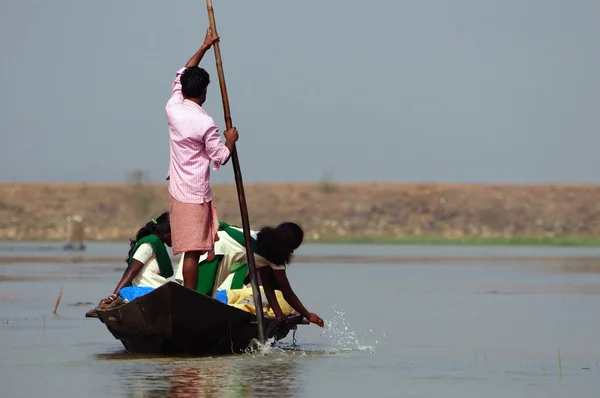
x,y
409,330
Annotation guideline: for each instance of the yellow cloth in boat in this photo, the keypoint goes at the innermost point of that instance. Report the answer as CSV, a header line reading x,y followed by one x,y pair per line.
x,y
242,299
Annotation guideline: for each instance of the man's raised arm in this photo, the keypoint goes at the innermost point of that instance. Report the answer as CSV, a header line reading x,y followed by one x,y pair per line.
x,y
209,40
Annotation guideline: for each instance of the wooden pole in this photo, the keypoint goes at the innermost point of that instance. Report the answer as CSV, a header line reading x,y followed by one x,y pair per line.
x,y
238,182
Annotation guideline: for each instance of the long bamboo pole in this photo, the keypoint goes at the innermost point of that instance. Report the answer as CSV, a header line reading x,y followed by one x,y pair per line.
x,y
239,184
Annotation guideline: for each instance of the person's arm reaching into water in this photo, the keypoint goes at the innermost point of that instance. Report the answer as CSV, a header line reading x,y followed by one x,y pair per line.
x,y
270,277
136,267
266,280
140,258
284,285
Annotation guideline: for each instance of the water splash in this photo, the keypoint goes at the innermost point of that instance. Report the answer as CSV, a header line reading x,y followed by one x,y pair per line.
x,y
274,347
341,337
255,347
338,334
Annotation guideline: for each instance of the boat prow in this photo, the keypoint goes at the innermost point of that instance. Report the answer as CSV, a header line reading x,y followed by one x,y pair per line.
x,y
175,320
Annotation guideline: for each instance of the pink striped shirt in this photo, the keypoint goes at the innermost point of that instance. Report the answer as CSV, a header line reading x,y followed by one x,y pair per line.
x,y
194,141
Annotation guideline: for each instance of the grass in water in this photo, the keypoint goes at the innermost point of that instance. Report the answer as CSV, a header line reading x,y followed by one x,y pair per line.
x,y
466,241
559,363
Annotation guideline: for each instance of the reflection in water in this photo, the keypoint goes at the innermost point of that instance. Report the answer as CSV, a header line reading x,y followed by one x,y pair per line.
x,y
200,380
276,375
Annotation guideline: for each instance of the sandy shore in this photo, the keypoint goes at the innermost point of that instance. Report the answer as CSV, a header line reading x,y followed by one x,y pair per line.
x,y
328,212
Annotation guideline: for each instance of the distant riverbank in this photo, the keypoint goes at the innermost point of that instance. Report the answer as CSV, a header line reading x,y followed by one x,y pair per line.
x,y
557,241
559,215
580,241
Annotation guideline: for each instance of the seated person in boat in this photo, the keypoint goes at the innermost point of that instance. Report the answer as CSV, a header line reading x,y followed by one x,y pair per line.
x,y
148,262
225,271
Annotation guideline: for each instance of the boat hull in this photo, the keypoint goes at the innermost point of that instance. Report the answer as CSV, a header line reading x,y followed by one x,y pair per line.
x,y
174,320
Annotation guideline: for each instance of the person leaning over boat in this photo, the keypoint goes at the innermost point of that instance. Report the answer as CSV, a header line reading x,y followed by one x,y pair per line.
x,y
194,142
273,249
148,262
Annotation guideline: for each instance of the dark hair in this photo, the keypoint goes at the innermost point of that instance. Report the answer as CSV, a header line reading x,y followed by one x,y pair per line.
x,y
193,82
294,231
160,225
275,245
278,244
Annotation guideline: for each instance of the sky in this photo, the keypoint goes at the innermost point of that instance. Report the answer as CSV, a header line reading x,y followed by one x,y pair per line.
x,y
463,91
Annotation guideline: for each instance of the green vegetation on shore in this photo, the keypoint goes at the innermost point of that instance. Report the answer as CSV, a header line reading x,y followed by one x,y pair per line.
x,y
465,241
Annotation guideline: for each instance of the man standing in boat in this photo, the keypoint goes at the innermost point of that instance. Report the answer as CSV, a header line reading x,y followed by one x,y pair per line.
x,y
194,142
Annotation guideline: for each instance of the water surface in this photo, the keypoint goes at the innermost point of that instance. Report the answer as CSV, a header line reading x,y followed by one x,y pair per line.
x,y
415,329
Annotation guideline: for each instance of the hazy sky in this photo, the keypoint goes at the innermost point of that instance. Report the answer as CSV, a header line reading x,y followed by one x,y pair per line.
x,y
400,91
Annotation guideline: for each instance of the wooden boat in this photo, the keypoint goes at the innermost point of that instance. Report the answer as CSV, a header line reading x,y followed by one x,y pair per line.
x,y
175,320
